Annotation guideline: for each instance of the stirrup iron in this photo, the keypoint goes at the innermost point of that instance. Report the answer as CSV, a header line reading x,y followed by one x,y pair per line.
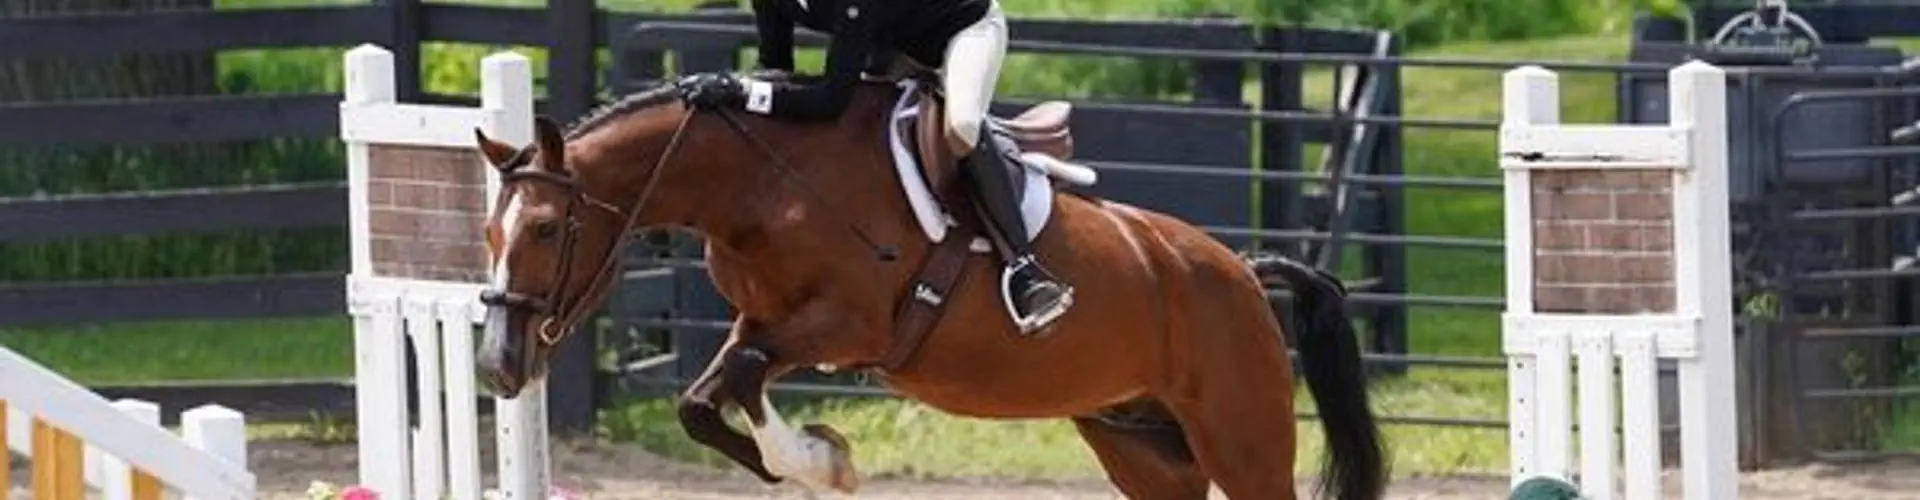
x,y
1042,318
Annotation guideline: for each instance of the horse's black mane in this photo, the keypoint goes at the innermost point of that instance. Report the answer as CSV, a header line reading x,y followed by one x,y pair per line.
x,y
660,93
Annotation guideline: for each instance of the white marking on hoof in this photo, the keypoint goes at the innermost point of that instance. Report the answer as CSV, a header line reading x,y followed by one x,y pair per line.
x,y
800,456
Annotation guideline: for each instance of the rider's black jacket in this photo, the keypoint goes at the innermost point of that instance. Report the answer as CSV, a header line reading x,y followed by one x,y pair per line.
x,y
859,30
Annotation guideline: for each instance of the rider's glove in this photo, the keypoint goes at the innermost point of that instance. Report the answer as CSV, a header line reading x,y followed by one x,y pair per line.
x,y
712,90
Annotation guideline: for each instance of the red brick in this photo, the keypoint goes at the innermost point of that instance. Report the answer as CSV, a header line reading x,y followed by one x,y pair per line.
x,y
464,199
1637,269
1557,299
1549,268
391,222
1643,206
1629,237
1632,299
1572,206
1559,235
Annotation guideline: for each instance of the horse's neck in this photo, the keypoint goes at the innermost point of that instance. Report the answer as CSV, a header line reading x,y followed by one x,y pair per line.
x,y
779,231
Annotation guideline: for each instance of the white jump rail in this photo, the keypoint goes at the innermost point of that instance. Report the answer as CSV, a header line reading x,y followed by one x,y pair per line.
x,y
207,461
395,297
1618,247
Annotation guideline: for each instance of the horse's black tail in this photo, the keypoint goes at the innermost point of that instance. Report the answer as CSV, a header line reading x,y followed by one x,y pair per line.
x,y
1330,358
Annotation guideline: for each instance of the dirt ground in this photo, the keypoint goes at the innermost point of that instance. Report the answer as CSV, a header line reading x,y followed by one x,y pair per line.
x,y
624,472
285,468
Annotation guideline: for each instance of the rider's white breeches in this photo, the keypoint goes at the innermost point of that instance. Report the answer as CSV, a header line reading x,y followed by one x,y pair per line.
x,y
972,70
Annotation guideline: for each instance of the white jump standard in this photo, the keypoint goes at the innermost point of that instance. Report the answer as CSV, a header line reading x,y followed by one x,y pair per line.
x,y
1618,251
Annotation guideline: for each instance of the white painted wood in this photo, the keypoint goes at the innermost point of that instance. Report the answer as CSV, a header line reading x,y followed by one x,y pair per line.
x,y
1677,335
1554,436
109,473
506,91
458,318
429,438
369,82
521,423
1703,284
1593,146
396,287
36,391
1640,414
521,428
1522,416
220,432
369,75
379,396
411,124
1698,333
1597,451
441,458
1530,97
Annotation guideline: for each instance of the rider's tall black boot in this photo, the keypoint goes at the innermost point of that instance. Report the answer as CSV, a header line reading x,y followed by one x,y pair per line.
x,y
1032,295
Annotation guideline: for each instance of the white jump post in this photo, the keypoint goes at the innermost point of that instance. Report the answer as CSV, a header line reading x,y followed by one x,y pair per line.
x,y
419,194
1618,249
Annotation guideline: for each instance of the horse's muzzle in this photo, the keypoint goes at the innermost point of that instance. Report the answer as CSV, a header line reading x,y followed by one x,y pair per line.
x,y
505,361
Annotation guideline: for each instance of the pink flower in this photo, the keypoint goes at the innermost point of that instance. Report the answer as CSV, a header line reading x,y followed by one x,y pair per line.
x,y
558,493
358,492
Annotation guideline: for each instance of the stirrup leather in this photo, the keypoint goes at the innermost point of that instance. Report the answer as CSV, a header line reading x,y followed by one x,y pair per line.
x,y
1039,319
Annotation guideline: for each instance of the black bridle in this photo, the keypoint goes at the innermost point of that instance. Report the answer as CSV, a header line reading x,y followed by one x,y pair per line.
x,y
557,326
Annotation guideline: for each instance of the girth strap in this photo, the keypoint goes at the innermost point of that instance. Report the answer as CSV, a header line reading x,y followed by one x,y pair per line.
x,y
943,270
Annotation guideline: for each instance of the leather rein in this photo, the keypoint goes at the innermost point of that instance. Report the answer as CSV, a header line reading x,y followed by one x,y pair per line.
x,y
556,327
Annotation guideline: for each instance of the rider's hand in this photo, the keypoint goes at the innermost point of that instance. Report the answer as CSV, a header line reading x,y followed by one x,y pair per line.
x,y
712,90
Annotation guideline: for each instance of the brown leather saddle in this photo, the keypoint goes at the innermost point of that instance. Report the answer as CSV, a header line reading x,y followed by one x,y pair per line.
x,y
1043,128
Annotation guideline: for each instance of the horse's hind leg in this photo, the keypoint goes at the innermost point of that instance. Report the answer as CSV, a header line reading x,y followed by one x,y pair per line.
x,y
1146,462
1243,439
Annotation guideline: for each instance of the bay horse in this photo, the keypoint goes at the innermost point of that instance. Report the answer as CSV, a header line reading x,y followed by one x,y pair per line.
x,y
1172,364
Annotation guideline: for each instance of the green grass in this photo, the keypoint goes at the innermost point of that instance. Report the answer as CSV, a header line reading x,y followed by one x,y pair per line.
x,y
191,350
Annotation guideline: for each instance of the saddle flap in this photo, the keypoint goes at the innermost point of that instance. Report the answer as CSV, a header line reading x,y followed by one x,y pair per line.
x,y
938,160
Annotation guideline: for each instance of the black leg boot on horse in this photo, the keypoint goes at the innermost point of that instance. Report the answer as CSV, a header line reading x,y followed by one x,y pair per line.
x,y
1032,296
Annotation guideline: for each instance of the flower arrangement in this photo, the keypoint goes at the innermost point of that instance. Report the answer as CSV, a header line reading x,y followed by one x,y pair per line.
x,y
322,490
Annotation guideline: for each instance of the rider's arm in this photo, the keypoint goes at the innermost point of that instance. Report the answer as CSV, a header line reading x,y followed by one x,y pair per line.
x,y
776,35
846,56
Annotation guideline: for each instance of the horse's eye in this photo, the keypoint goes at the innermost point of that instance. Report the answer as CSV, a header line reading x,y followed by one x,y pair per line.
x,y
546,231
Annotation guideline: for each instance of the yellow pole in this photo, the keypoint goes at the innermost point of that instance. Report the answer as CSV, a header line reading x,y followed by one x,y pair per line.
x,y
6,455
57,464
145,486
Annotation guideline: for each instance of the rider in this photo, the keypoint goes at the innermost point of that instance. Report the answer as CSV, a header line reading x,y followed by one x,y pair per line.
x,y
966,37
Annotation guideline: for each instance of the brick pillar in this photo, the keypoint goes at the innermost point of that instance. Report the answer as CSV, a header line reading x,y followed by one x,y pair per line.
x,y
427,210
1603,241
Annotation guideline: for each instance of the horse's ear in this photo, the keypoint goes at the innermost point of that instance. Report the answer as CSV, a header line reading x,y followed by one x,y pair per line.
x,y
496,152
553,147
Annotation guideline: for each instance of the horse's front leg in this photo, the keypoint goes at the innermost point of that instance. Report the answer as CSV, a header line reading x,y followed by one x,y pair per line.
x,y
737,377
700,416
815,455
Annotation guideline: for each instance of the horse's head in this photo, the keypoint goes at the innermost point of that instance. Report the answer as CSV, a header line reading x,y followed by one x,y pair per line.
x,y
568,200
551,242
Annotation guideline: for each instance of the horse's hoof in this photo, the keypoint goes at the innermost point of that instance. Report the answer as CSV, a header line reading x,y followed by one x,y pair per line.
x,y
843,478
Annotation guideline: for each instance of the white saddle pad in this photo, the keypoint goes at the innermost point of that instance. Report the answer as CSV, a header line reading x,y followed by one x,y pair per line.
x,y
1036,203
